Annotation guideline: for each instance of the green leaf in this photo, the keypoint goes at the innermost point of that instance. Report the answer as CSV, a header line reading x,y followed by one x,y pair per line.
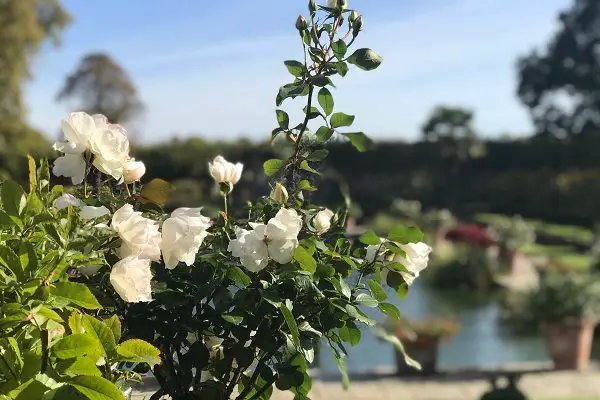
x,y
234,319
238,276
370,238
393,339
101,332
390,310
326,100
341,68
305,327
75,345
366,300
365,59
11,261
359,140
339,119
273,166
342,287
114,324
306,185
321,80
136,350
339,48
377,290
340,360
291,323
305,259
29,390
304,165
403,234
5,220
78,366
290,90
350,333
76,322
318,155
295,68
391,246
28,258
396,282
323,134
13,198
283,119
75,293
96,388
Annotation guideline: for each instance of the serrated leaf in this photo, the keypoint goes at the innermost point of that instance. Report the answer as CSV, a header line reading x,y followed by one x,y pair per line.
x,y
283,119
359,140
11,261
366,300
291,323
136,350
238,276
78,366
273,166
406,234
96,388
323,134
101,332
370,238
305,166
306,185
13,198
339,48
295,68
305,259
365,59
377,290
350,333
75,345
114,324
390,310
340,119
325,99
318,155
75,293
342,68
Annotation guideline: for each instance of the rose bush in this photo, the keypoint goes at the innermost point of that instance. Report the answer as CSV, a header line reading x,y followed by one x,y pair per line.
x,y
236,304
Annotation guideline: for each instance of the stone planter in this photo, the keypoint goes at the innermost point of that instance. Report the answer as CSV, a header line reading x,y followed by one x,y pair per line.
x,y
424,350
569,343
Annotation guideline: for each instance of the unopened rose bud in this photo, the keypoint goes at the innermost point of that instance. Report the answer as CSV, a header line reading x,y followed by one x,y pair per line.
x,y
353,16
280,194
342,4
312,6
133,171
301,23
357,25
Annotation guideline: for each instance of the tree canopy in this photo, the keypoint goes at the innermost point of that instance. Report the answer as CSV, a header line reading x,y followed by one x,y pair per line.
x,y
101,86
561,84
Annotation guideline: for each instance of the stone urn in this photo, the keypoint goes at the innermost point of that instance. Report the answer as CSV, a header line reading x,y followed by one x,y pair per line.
x,y
569,342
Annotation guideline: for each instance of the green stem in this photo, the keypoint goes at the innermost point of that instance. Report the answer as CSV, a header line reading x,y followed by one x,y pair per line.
x,y
225,203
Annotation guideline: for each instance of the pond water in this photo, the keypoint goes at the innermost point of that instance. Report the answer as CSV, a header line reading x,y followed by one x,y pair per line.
x,y
482,341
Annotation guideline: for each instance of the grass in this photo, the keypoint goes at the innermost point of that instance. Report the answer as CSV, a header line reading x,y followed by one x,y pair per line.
x,y
567,232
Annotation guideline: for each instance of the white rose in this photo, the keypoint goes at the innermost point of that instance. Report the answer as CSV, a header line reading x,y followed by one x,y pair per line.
x,y
139,235
70,166
182,236
131,278
89,212
322,221
279,194
276,240
133,170
67,200
222,171
111,150
416,260
78,128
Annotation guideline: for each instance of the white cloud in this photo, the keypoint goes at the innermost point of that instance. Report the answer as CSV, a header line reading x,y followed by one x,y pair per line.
x,y
462,53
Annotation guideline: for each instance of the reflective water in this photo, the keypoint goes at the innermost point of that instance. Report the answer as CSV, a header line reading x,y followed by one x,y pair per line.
x,y
482,340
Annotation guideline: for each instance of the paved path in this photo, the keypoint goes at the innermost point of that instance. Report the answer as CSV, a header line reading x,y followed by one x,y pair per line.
x,y
547,385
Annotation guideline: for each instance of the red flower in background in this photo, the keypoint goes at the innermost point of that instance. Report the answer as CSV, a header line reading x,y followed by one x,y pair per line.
x,y
472,234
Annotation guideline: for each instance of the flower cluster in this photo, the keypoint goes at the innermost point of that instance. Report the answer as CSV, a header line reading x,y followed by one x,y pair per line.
x,y
92,137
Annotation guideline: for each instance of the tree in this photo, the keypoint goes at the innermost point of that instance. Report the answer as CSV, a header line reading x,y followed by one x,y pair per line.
x,y
102,86
24,26
569,68
451,128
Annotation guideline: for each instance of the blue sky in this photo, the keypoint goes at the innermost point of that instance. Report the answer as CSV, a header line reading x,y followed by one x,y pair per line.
x,y
212,68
